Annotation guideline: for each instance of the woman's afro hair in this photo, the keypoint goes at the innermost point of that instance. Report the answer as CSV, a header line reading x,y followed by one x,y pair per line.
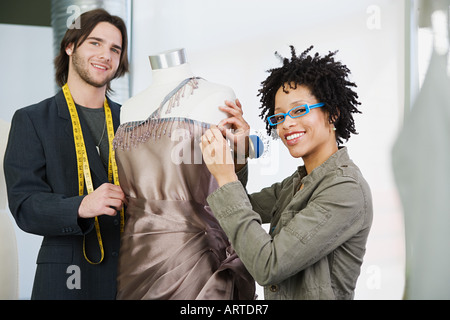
x,y
327,80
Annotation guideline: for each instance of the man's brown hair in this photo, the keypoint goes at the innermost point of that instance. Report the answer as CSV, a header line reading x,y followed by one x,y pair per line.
x,y
88,21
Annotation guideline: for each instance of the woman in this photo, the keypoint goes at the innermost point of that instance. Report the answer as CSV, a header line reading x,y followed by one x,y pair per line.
x,y
321,215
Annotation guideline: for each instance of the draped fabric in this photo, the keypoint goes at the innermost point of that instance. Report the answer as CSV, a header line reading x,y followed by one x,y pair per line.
x,y
172,246
421,163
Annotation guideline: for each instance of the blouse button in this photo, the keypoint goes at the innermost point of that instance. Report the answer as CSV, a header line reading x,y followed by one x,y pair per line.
x,y
273,288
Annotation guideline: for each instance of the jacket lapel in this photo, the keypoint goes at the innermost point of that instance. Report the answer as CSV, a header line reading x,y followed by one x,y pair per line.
x,y
115,110
63,112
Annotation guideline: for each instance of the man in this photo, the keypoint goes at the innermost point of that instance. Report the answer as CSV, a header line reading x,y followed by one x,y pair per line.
x,y
59,170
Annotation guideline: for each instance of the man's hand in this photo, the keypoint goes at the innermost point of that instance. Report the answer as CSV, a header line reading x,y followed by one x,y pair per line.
x,y
106,199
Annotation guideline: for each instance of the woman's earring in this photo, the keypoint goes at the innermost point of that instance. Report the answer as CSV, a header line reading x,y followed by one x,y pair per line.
x,y
332,122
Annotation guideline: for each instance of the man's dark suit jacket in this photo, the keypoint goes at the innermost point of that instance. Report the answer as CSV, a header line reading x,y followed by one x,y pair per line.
x,y
41,177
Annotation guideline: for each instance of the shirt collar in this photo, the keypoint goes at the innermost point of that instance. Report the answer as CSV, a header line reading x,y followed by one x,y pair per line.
x,y
336,159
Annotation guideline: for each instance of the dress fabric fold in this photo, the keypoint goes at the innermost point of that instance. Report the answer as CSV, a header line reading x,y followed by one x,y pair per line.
x,y
172,246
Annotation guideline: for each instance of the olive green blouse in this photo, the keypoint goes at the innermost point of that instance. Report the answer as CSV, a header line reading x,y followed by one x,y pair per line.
x,y
318,234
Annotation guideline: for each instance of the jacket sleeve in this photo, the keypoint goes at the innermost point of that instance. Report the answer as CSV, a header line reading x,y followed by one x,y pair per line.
x,y
328,220
262,202
32,201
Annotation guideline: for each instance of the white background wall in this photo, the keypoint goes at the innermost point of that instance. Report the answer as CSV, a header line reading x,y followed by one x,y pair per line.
x,y
233,42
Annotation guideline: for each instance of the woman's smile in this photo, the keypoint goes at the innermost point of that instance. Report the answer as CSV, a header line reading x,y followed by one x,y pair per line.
x,y
293,137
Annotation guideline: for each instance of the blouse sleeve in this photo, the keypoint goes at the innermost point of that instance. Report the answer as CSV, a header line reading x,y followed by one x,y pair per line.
x,y
332,216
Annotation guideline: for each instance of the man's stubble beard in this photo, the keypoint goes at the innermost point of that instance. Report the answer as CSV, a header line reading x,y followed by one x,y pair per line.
x,y
81,68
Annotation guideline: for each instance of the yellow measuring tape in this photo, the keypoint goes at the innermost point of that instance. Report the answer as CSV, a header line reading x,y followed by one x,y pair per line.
x,y
84,172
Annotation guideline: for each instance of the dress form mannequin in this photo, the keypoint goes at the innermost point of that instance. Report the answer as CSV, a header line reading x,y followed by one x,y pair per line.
x,y
169,68
172,247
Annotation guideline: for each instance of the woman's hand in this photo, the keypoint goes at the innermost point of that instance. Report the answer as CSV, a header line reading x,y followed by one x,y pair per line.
x,y
217,156
238,133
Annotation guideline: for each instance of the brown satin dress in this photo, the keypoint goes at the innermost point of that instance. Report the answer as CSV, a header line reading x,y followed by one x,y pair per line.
x,y
172,246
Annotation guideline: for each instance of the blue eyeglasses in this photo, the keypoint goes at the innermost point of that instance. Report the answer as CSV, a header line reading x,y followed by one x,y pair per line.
x,y
293,113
